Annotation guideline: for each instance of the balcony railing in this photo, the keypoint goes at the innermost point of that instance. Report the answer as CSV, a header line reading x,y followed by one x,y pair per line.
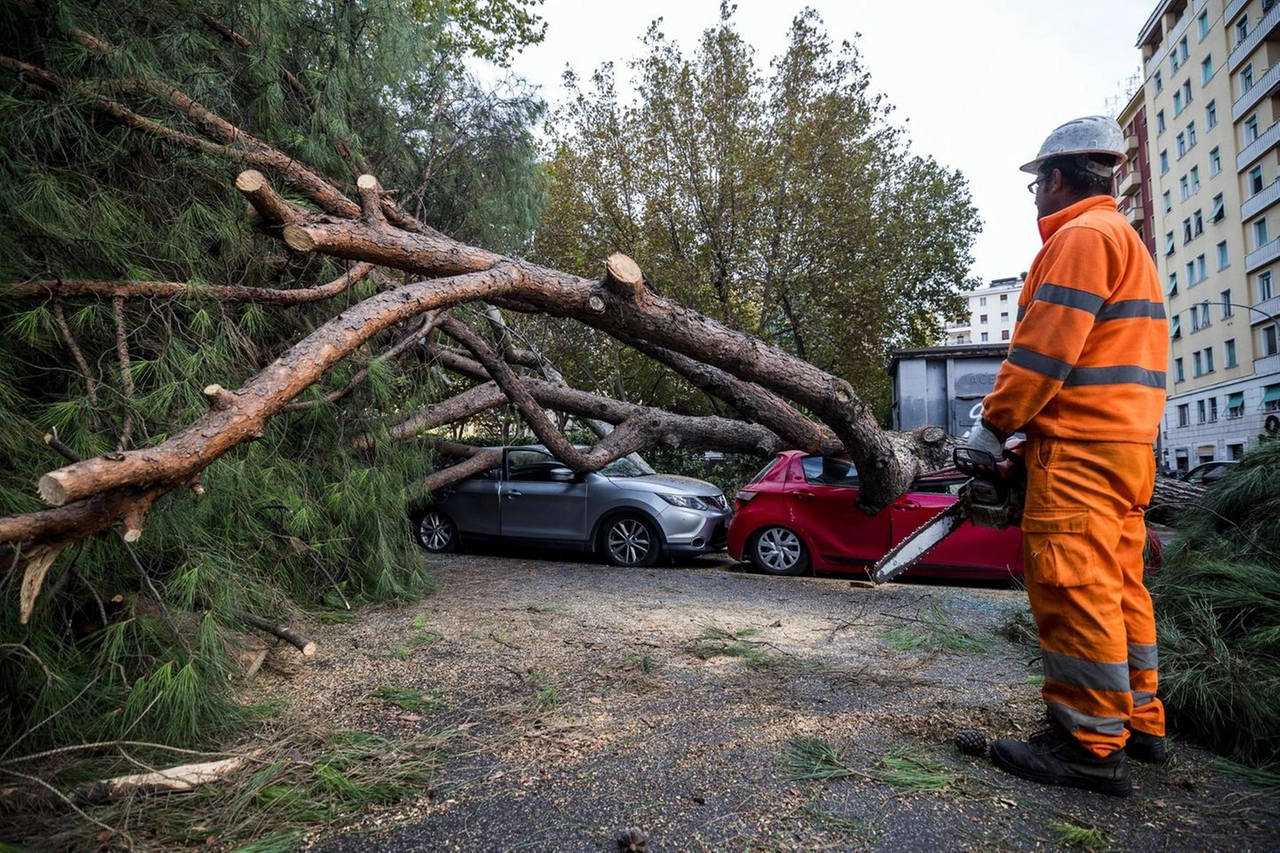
x,y
1131,183
1260,200
1269,22
1255,149
1266,85
1263,255
1135,214
1232,9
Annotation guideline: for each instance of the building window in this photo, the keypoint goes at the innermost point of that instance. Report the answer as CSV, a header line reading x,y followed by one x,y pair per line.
x,y
1227,310
1235,403
1173,285
1197,223
1197,367
1184,415
1206,69
1186,92
1260,236
1229,354
1177,103
1208,359
1211,114
1202,272
1215,162
1159,83
1223,261
985,337
1254,182
1199,318
1004,335
1179,375
1186,231
1264,286
1159,122
1242,30
1200,411
1250,129
1184,189
1269,347
1168,201
1175,328
1218,210
982,319
1182,144
1004,297
1164,161
1195,179
982,300
1168,243
1202,24
1246,78
1213,410
1004,316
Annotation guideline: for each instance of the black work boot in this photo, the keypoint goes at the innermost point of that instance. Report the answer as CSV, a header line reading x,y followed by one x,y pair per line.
x,y
1147,748
1055,757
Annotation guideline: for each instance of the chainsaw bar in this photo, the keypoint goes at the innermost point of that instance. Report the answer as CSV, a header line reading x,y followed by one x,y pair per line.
x,y
908,552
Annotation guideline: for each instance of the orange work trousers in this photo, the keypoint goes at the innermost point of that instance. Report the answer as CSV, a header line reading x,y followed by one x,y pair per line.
x,y
1083,538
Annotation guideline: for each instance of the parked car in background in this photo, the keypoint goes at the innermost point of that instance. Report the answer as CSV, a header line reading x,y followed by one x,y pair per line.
x,y
625,515
1207,472
798,515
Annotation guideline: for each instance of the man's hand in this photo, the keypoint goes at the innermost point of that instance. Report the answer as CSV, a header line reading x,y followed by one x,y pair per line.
x,y
981,438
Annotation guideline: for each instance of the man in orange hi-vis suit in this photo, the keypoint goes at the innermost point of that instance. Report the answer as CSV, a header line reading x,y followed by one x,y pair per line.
x,y
1085,382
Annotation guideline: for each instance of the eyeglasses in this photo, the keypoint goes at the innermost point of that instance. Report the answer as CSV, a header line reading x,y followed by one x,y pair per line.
x,y
1031,187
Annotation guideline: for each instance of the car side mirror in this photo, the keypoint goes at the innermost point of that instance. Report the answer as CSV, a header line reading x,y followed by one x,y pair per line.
x,y
562,475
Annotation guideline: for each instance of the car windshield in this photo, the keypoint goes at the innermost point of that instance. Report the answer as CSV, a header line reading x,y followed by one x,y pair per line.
x,y
623,467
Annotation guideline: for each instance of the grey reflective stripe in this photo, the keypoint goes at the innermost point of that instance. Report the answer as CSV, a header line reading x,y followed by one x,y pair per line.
x,y
1022,312
1130,308
1142,697
1043,364
1074,720
1142,656
1091,674
1124,374
1056,294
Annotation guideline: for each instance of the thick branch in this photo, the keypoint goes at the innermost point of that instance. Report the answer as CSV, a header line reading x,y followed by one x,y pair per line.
x,y
126,371
284,632
193,448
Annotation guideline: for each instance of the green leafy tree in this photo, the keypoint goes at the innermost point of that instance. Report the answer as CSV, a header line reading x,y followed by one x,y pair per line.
x,y
789,207
123,126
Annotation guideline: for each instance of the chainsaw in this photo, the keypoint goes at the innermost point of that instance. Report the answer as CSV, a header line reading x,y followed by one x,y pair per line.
x,y
987,498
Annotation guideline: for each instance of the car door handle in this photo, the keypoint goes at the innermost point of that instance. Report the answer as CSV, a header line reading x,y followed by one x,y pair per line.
x,y
906,504
513,494
802,494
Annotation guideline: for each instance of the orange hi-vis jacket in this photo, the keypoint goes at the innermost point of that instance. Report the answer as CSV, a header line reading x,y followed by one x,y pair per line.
x,y
1089,352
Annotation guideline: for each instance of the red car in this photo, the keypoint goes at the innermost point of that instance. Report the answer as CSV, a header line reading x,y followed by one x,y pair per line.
x,y
798,514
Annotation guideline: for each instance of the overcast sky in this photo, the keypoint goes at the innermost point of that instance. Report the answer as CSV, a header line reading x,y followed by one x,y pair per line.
x,y
977,84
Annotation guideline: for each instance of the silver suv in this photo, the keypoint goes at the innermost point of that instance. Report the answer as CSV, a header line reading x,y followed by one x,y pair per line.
x,y
629,517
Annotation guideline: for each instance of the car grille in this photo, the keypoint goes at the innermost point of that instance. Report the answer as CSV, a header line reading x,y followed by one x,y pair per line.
x,y
718,501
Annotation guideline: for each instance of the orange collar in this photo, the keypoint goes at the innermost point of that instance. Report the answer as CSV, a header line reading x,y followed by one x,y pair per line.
x,y
1050,224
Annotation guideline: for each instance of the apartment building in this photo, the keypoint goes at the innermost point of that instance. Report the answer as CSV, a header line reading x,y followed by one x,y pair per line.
x,y
1207,200
993,308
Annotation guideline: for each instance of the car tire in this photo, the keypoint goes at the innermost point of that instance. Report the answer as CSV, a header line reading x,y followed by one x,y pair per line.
x,y
435,531
630,540
778,551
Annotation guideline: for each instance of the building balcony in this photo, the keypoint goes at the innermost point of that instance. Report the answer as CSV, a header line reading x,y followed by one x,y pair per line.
x,y
1267,365
1131,147
1266,85
1260,200
1269,139
1135,214
1260,33
1130,184
1267,311
1233,8
1261,256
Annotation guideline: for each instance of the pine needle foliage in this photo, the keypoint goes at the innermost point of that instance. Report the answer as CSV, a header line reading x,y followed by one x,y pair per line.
x,y
1218,614
137,641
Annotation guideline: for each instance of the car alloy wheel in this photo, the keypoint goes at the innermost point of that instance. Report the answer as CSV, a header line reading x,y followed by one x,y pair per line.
x,y
778,551
436,532
631,541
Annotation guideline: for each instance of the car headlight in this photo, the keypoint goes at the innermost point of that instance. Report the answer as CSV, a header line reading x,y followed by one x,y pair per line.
x,y
686,501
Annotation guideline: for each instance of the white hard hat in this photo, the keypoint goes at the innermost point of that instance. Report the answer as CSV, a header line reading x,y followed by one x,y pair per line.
x,y
1088,135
